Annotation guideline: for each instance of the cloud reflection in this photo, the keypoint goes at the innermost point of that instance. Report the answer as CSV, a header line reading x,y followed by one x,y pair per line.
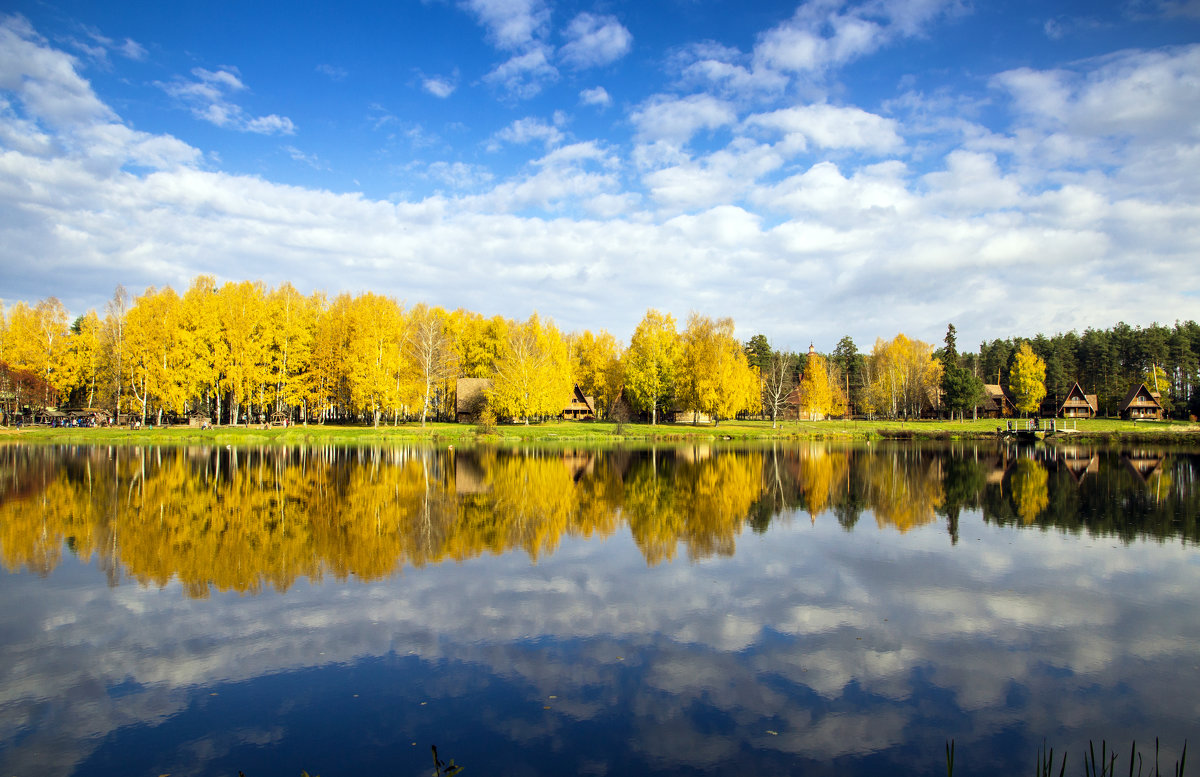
x,y
844,644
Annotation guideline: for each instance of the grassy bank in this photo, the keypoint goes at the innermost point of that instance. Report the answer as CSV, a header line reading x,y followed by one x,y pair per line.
x,y
1100,430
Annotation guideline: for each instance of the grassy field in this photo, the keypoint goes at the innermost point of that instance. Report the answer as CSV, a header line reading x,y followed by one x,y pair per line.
x,y
595,432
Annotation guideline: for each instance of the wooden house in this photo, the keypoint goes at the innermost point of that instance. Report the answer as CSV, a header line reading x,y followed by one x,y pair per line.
x,y
1141,403
579,407
471,394
1078,405
469,398
680,416
996,402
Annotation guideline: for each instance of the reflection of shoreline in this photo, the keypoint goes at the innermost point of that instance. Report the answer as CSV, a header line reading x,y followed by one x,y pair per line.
x,y
251,519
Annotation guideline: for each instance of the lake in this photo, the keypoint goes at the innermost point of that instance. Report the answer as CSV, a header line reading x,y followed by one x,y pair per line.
x,y
802,608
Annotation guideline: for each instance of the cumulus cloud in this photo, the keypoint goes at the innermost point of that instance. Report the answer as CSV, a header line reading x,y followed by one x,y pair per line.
x,y
528,130
833,127
723,176
677,119
524,75
206,96
45,78
1137,94
597,96
511,24
440,86
822,35
459,175
594,40
1094,162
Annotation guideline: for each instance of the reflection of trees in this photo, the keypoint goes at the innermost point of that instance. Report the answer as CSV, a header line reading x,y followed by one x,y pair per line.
x,y
1115,498
250,519
1029,490
700,501
904,486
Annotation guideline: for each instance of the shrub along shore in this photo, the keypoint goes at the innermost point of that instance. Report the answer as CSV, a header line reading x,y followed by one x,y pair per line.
x,y
1092,430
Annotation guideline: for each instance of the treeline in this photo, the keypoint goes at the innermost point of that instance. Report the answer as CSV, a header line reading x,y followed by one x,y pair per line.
x,y
1106,362
240,351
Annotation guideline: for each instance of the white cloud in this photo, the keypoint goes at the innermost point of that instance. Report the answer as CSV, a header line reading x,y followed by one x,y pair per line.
x,y
205,95
593,41
724,176
801,48
45,78
597,96
440,86
524,75
131,49
972,182
459,175
527,130
333,72
829,33
829,126
677,119
85,199
511,24
1131,94
312,160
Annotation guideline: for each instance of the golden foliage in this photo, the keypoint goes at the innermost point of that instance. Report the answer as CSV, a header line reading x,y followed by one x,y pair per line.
x,y
1030,489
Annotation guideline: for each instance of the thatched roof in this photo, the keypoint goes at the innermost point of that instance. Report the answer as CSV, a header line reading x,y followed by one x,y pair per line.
x,y
469,391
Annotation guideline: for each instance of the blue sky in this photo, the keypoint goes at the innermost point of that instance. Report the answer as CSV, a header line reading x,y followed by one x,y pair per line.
x,y
811,170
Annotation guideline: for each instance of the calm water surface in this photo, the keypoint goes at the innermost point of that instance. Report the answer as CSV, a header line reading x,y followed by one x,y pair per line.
x,y
799,609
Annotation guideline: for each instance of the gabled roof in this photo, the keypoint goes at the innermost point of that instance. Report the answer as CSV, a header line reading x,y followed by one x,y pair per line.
x,y
996,393
1076,395
578,396
1138,392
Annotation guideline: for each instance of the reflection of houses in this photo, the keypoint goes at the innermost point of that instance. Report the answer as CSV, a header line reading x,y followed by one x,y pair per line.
x,y
580,463
1077,404
1141,403
469,477
694,453
1142,463
996,402
1080,462
997,465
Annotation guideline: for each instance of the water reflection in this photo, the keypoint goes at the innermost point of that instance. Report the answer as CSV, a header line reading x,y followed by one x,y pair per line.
x,y
881,600
247,519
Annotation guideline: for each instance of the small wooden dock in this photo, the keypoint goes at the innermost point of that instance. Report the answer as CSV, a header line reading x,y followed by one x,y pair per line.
x,y
1029,429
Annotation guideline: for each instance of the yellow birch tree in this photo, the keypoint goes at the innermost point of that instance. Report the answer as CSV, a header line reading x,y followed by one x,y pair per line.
x,y
652,363
374,348
1027,379
716,378
292,320
431,352
533,374
596,367
241,311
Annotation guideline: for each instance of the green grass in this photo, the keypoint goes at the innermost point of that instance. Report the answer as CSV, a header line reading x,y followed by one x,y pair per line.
x,y
594,432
